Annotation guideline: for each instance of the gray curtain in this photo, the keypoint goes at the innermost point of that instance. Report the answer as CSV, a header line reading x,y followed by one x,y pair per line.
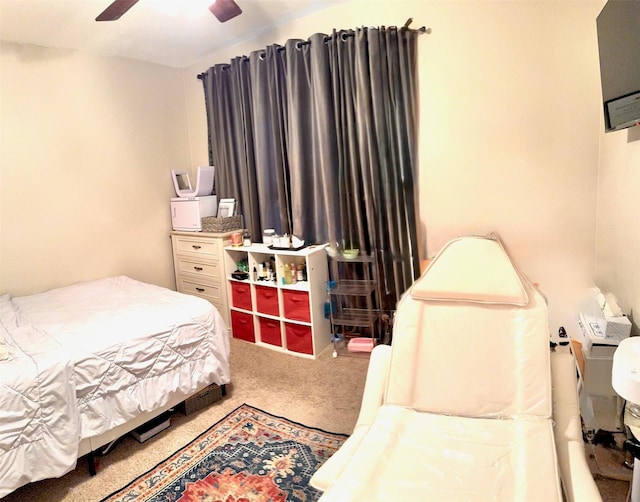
x,y
269,97
232,145
318,138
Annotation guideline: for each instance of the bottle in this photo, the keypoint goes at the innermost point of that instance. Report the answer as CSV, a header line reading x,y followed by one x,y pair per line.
x,y
328,305
286,275
263,272
301,272
294,273
255,274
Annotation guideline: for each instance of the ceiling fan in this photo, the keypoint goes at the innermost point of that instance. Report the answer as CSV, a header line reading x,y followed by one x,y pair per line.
x,y
222,9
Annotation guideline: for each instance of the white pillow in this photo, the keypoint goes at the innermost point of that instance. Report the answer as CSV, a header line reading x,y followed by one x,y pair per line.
x,y
472,269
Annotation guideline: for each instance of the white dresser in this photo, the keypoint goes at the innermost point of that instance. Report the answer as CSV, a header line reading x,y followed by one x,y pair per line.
x,y
199,268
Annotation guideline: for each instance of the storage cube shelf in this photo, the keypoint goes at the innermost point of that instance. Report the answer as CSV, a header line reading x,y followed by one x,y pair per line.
x,y
270,313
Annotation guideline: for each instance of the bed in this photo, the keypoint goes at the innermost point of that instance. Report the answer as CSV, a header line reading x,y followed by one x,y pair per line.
x,y
82,365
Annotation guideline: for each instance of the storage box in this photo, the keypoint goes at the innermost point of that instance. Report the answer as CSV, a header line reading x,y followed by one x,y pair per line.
x,y
242,326
270,331
296,305
360,344
152,427
267,300
201,399
241,295
299,338
219,225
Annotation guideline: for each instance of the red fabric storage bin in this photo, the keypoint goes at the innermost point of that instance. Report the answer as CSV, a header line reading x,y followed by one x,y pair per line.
x,y
270,331
267,300
241,295
299,338
296,305
242,326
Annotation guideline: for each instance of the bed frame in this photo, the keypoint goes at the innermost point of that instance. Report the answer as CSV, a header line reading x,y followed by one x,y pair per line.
x,y
90,446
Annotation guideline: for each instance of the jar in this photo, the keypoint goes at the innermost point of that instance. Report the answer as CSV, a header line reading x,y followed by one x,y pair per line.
x,y
267,236
236,239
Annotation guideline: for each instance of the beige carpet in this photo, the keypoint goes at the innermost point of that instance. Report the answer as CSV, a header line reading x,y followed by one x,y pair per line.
x,y
323,393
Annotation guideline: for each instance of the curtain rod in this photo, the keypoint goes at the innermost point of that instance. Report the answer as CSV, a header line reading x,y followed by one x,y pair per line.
x,y
343,35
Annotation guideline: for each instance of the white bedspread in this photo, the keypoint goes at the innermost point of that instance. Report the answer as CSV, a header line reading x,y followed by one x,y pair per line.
x,y
128,347
38,417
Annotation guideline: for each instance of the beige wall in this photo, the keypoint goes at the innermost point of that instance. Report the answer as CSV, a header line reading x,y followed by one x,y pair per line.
x,y
618,226
509,97
510,141
87,147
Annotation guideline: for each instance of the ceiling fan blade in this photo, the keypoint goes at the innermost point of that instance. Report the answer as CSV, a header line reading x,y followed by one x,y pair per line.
x,y
116,9
225,10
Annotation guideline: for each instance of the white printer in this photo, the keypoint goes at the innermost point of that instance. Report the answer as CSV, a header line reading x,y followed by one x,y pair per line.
x,y
191,205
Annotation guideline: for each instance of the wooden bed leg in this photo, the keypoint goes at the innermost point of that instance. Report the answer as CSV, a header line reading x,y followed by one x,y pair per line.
x,y
224,389
91,461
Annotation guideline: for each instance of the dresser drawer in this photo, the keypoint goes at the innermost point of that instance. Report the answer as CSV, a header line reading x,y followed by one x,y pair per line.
x,y
193,245
211,271
212,293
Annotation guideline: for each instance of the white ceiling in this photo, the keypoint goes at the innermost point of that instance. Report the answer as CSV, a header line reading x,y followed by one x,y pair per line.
x,y
174,33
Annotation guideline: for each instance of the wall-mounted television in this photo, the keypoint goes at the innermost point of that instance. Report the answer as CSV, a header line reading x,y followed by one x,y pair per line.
x,y
618,26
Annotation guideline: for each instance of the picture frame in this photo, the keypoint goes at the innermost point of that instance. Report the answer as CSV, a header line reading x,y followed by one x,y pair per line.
x,y
226,208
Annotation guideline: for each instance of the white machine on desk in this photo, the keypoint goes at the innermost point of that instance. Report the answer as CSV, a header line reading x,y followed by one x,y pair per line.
x,y
605,323
600,327
191,205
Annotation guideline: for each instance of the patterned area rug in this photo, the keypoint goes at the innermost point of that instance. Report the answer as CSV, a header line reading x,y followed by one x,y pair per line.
x,y
247,456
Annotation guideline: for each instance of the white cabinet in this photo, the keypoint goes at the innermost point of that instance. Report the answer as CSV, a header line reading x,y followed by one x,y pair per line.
x,y
272,312
199,268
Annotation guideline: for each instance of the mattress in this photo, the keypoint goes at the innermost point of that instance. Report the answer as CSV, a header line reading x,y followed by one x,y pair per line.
x,y
101,353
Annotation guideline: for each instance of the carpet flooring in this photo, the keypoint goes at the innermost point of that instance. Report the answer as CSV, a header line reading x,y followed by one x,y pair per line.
x,y
324,393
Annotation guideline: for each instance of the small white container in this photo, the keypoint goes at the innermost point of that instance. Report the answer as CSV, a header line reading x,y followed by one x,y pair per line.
x,y
267,236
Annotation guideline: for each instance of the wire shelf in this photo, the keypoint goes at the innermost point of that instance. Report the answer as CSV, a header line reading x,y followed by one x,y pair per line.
x,y
355,317
354,288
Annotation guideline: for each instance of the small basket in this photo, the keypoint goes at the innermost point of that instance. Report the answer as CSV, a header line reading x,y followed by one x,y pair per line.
x,y
224,224
205,397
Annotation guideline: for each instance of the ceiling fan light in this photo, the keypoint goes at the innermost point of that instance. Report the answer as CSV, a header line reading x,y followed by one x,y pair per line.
x,y
225,10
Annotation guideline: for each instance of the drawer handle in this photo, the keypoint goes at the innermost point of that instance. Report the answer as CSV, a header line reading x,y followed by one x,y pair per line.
x,y
200,290
197,269
196,247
